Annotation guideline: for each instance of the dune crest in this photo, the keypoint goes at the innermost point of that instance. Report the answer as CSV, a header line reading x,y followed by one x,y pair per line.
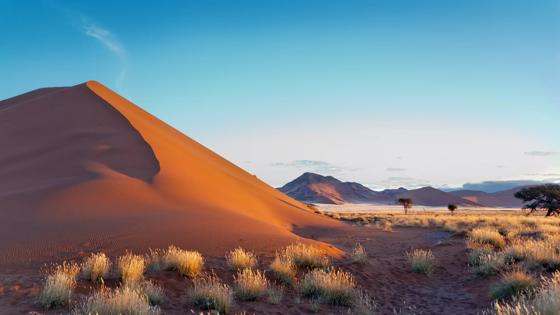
x,y
86,167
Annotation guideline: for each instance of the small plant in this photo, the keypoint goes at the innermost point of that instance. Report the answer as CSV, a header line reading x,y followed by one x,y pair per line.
x,y
359,254
511,284
490,264
59,285
131,268
421,261
210,293
96,267
120,301
364,304
332,286
154,293
154,260
250,285
188,263
284,269
487,236
275,294
306,255
241,259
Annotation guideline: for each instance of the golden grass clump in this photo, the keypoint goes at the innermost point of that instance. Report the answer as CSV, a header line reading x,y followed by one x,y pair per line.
x,y
210,293
544,301
59,285
120,301
96,267
511,284
250,285
131,268
421,261
284,269
241,259
306,255
487,236
536,253
187,263
154,260
490,264
358,254
332,286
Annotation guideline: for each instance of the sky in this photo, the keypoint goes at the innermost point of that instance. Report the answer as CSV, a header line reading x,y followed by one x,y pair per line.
x,y
386,93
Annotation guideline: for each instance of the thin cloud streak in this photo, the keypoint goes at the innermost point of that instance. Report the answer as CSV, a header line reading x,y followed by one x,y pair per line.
x,y
542,153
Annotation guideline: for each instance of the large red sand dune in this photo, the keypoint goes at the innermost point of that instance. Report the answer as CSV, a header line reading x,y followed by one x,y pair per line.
x,y
83,168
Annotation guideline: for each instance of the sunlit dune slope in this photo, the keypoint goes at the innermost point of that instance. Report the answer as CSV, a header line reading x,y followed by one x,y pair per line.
x,y
83,167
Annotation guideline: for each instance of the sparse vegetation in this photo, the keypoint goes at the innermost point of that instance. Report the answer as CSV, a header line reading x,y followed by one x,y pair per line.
x,y
284,269
331,286
240,259
303,255
187,263
359,254
275,294
421,261
487,236
210,293
250,284
131,268
59,285
125,300
511,284
96,267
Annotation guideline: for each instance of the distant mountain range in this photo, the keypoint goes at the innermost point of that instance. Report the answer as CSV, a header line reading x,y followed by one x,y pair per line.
x,y
315,188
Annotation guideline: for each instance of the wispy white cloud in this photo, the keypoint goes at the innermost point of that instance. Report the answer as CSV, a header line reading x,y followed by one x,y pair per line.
x,y
542,153
310,165
395,169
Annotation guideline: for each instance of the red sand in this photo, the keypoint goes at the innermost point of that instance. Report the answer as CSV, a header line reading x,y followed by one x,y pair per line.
x,y
84,169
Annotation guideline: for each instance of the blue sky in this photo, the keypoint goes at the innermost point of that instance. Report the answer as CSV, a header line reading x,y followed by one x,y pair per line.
x,y
388,93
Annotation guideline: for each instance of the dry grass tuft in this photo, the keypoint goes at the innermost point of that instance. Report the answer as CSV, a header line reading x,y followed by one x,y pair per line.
x,y
421,261
96,267
188,263
250,285
241,259
306,255
210,293
59,285
120,301
359,254
284,269
154,260
275,294
487,236
490,264
511,284
131,268
334,287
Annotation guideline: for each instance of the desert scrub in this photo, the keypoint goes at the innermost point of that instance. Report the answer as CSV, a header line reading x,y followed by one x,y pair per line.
x,y
275,294
131,268
96,267
187,263
490,264
487,236
511,284
250,285
331,286
544,301
152,291
241,259
421,261
124,300
209,293
535,253
364,304
358,254
154,260
283,269
306,255
59,285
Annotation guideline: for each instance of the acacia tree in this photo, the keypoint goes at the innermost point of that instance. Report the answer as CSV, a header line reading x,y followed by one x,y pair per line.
x,y
541,197
452,207
406,203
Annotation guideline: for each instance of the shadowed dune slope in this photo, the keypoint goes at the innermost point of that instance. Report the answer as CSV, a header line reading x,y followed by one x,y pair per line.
x,y
83,167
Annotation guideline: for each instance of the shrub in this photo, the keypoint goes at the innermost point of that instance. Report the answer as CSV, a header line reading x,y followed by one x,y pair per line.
x,y
59,285
124,300
210,293
154,260
154,292
275,294
332,286
421,261
187,263
284,269
512,284
96,267
306,255
487,236
490,264
250,285
240,259
131,268
359,254
364,304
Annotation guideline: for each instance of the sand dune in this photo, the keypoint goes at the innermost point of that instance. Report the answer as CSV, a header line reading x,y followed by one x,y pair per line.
x,y
83,167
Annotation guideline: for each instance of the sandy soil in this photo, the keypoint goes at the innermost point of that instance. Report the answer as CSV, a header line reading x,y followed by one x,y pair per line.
x,y
451,289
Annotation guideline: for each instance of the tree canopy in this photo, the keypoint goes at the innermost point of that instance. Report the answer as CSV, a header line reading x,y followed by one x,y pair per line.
x,y
406,203
541,197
